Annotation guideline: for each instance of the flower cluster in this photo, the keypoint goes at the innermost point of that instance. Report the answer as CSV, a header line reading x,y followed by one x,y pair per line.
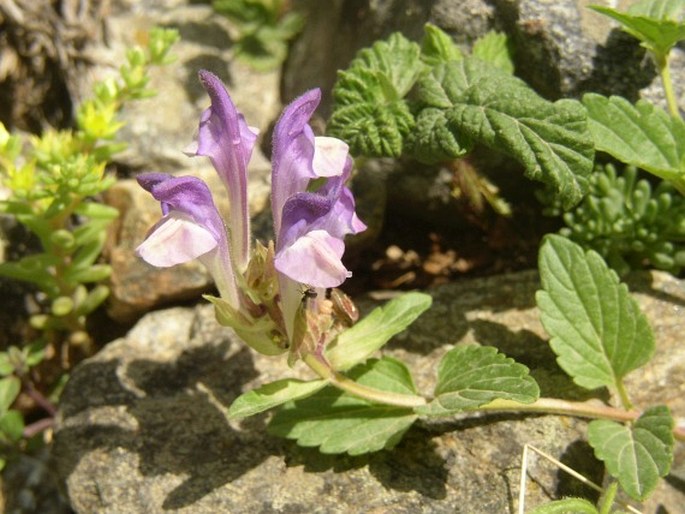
x,y
279,296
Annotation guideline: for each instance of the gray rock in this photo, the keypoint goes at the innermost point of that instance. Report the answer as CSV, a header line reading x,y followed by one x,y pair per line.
x,y
143,424
562,49
158,129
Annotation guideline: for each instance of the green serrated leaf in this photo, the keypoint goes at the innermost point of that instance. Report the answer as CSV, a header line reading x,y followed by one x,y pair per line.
x,y
9,390
642,135
396,58
495,48
433,140
487,105
272,395
470,376
374,129
597,329
567,506
437,46
636,455
359,342
337,422
657,23
369,111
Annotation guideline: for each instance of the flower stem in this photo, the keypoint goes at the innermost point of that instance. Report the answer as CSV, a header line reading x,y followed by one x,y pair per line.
x,y
323,369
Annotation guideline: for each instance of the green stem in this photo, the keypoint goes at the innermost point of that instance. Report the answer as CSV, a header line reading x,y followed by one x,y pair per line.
x,y
323,369
623,395
609,498
665,73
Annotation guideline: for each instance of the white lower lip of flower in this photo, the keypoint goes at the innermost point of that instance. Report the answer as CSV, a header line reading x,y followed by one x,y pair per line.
x,y
314,259
330,155
175,240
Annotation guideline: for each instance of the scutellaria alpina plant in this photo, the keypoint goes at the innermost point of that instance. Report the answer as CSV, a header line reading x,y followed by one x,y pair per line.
x,y
282,298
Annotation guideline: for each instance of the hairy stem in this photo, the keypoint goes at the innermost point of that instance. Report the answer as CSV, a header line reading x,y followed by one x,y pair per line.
x,y
38,397
590,409
323,369
38,426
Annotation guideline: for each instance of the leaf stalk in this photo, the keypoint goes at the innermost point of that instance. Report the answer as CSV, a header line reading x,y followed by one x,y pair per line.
x,y
665,74
337,379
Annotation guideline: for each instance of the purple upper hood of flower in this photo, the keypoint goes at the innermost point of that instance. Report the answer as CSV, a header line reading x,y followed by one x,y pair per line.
x,y
293,152
226,139
188,195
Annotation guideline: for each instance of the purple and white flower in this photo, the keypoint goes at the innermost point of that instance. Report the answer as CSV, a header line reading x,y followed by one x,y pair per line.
x,y
309,225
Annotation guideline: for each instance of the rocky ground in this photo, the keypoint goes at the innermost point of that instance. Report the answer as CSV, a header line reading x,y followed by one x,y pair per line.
x,y
142,425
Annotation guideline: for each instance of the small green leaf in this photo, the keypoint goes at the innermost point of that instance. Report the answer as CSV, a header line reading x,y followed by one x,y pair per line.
x,y
657,23
94,273
12,425
597,329
487,105
96,210
567,506
92,300
337,422
495,48
369,111
642,135
35,353
636,455
6,367
29,269
358,343
9,390
438,47
272,395
470,376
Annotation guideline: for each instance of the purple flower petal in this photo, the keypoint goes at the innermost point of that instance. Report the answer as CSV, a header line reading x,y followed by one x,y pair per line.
x,y
293,152
226,139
